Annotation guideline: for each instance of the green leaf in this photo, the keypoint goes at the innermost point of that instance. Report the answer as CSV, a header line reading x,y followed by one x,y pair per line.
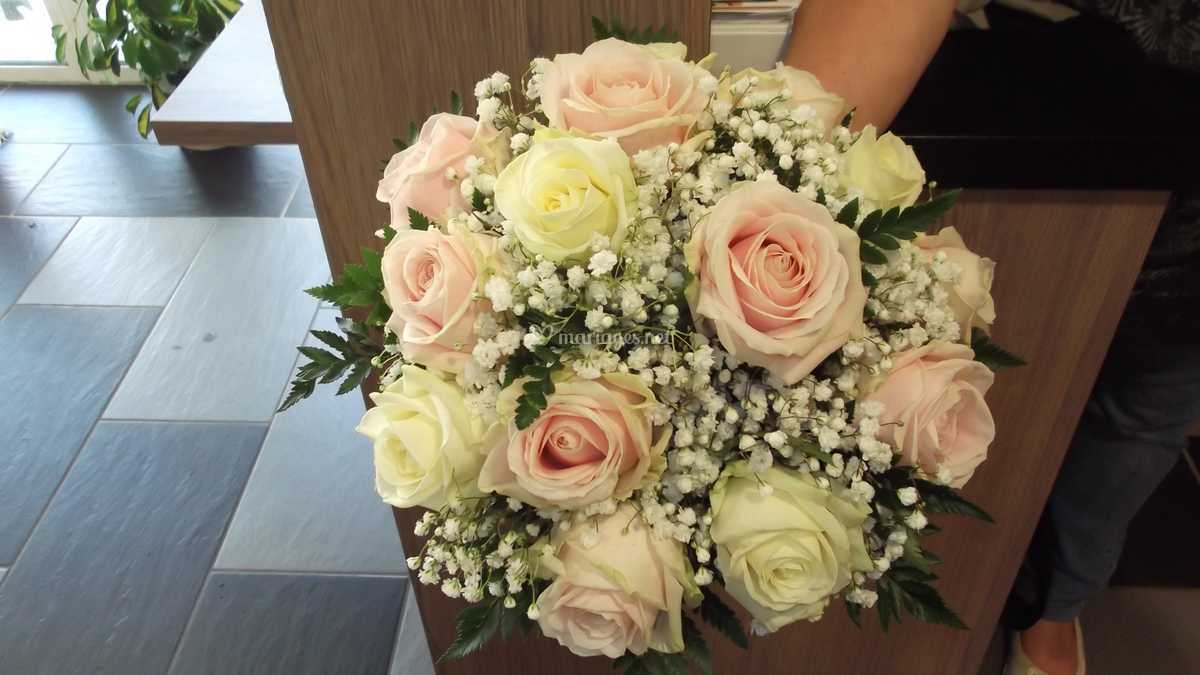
x,y
400,144
599,29
923,602
944,499
143,122
914,555
319,355
132,104
476,625
157,95
854,611
990,354
871,254
848,216
886,605
717,614
478,201
456,104
810,448
358,373
230,7
301,389
695,649
413,132
646,35
417,220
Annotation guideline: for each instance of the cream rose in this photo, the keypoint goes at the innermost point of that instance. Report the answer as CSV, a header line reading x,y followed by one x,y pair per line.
x,y
784,555
885,169
416,176
594,441
934,414
429,281
617,587
642,96
428,444
805,89
564,191
778,279
970,298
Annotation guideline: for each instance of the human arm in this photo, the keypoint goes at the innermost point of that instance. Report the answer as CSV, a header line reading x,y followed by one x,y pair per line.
x,y
869,52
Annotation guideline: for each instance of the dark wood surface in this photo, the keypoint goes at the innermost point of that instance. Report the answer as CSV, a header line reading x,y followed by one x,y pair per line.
x,y
1067,262
233,95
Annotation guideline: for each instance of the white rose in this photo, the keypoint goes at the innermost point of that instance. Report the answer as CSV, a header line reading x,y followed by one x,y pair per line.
x,y
884,168
564,191
428,444
784,554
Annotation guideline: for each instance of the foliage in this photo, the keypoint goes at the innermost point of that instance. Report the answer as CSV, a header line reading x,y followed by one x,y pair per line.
x,y
359,288
718,615
479,623
992,355
642,36
161,39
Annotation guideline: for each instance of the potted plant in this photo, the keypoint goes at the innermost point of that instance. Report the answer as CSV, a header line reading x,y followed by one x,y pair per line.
x,y
161,39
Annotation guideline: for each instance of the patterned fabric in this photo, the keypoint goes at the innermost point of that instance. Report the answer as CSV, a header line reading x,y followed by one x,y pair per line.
x,y
1167,291
1167,30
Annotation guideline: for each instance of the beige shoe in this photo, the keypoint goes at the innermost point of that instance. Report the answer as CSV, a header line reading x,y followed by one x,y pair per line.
x,y
1019,664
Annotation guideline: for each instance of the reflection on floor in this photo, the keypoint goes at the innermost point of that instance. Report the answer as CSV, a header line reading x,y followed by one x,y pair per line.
x,y
158,518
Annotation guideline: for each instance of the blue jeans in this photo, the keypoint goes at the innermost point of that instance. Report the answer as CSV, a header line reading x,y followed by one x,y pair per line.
x,y
1132,434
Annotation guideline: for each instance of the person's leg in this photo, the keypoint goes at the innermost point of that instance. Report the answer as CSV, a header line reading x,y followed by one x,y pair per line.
x,y
1131,435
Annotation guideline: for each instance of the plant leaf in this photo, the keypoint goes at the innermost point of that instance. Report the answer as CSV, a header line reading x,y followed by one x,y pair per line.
x,y
417,220
990,354
143,122
132,104
695,649
476,625
944,499
849,213
717,614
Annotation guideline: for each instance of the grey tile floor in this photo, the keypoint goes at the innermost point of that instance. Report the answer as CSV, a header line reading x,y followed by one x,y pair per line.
x,y
156,516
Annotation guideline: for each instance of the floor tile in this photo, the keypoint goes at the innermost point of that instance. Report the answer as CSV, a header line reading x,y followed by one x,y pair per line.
x,y
268,624
1155,554
60,367
109,577
21,167
82,114
152,180
1142,630
310,504
119,261
302,203
225,345
411,655
26,245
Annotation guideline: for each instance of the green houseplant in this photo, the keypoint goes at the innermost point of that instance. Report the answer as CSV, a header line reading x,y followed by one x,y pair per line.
x,y
160,39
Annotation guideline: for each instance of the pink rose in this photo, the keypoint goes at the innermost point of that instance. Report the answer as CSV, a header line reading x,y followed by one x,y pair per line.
x,y
416,176
429,280
934,414
970,298
593,441
617,587
778,279
624,91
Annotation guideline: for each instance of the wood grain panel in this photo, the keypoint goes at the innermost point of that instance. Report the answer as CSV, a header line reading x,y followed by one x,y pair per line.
x,y
1068,260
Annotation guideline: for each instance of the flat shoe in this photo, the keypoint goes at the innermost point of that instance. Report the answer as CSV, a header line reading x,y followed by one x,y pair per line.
x,y
1019,664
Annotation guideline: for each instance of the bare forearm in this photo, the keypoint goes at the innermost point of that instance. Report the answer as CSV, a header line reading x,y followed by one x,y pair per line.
x,y
870,52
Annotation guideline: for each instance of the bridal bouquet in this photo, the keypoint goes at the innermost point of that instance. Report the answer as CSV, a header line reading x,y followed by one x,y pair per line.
x,y
644,331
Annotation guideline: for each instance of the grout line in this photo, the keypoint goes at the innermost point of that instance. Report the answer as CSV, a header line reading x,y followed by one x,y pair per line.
x,y
152,420
42,266
308,573
216,552
291,197
161,313
17,207
409,594
70,467
84,304
187,626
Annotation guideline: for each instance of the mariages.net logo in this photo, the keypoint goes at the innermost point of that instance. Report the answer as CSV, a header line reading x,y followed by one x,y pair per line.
x,y
616,340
